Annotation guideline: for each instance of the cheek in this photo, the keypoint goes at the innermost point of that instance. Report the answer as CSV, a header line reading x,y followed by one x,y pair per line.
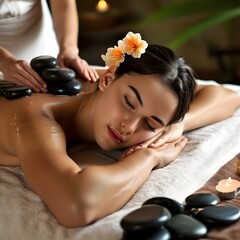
x,y
109,108
141,136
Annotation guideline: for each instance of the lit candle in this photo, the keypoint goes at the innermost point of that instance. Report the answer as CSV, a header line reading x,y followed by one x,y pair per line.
x,y
228,188
102,6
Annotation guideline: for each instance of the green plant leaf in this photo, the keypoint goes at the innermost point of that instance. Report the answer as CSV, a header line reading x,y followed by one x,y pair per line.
x,y
189,7
200,27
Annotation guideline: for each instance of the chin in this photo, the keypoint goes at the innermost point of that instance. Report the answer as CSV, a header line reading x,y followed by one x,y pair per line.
x,y
107,147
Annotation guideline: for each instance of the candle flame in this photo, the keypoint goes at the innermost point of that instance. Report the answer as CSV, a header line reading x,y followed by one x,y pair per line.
x,y
229,181
102,6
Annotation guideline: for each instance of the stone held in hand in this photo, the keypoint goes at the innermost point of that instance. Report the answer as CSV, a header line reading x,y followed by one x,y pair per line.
x,y
5,86
58,75
183,226
42,62
147,216
173,206
17,92
199,200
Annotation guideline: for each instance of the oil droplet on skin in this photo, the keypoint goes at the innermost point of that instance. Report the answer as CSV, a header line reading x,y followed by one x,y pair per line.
x,y
22,127
13,124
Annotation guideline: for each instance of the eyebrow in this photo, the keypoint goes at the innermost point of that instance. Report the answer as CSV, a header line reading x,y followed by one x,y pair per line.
x,y
137,95
141,103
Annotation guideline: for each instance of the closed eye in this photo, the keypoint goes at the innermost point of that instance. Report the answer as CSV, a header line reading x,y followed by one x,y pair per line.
x,y
128,103
149,126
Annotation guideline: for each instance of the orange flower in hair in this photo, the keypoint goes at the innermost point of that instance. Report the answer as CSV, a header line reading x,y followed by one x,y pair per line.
x,y
132,45
114,55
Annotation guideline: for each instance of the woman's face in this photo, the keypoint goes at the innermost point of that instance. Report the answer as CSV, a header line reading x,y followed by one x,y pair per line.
x,y
131,110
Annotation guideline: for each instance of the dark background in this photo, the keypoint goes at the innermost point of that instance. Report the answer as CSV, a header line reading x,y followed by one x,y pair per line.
x,y
213,54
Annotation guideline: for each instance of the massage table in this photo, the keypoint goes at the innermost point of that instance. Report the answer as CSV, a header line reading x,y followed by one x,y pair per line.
x,y
24,216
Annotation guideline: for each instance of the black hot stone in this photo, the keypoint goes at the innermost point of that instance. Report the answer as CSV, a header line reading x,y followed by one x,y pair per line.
x,y
17,92
147,216
58,75
147,234
219,215
5,86
41,62
70,88
182,226
202,200
173,206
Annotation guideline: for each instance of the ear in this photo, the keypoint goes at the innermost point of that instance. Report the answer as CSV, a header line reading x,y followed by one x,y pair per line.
x,y
107,78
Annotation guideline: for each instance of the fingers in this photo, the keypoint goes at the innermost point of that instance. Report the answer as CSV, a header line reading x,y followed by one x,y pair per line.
x,y
181,143
127,153
23,74
176,146
80,65
145,144
159,141
87,72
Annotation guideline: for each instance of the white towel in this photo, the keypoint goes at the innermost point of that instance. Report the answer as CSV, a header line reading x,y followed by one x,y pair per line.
x,y
23,216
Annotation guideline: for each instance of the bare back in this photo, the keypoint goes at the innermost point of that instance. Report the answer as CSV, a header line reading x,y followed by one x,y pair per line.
x,y
26,115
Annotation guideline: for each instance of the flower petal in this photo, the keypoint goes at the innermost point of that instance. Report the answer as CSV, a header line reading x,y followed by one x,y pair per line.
x,y
134,45
114,56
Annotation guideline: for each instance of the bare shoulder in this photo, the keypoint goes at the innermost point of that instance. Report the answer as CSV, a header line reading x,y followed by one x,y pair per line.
x,y
26,111
25,122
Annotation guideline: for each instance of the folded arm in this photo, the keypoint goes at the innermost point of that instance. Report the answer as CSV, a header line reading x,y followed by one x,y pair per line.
x,y
212,103
77,196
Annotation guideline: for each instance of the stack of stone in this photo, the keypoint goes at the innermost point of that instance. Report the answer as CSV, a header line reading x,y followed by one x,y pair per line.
x,y
60,81
164,218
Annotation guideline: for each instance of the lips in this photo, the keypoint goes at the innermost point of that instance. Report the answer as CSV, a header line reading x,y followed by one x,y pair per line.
x,y
115,135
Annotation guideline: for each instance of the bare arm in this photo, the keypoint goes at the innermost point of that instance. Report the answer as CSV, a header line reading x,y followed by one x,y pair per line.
x,y
77,196
211,104
65,18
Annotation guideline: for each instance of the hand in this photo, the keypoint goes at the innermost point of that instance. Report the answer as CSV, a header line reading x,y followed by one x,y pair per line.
x,y
169,134
169,151
166,153
21,73
69,58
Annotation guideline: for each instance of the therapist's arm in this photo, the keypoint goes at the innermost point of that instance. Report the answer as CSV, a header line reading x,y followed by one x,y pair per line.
x,y
66,23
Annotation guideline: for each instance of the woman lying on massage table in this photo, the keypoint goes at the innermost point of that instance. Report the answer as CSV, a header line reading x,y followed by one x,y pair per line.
x,y
138,105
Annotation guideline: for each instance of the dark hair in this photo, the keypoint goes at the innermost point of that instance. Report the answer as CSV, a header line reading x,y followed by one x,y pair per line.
x,y
172,69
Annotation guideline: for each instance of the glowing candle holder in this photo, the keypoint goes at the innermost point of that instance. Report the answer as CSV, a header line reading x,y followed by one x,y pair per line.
x,y
228,188
102,6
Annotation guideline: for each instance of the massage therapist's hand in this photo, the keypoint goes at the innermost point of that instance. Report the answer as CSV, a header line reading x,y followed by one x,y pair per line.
x,y
21,73
69,58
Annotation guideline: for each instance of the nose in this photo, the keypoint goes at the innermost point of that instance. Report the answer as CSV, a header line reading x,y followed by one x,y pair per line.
x,y
129,126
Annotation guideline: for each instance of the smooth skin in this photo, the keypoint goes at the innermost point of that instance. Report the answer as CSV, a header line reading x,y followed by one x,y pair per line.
x,y
65,19
36,132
